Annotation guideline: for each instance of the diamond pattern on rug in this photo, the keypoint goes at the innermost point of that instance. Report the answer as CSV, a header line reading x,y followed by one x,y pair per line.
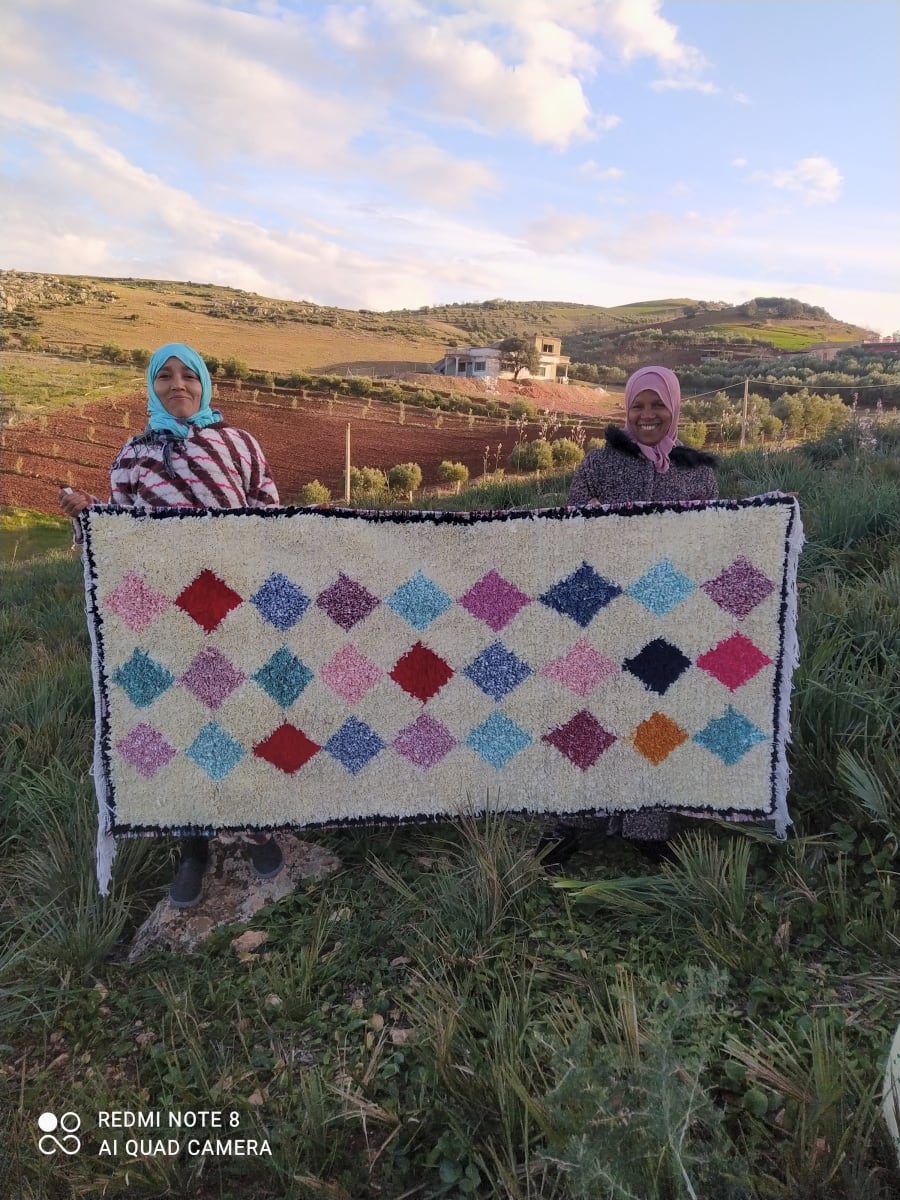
x,y
497,671
734,661
425,742
494,600
739,588
350,674
215,752
283,677
280,602
421,672
582,739
662,588
347,602
208,600
658,665
657,737
498,739
581,669
137,604
146,750
730,736
211,677
288,748
354,745
419,601
581,595
143,679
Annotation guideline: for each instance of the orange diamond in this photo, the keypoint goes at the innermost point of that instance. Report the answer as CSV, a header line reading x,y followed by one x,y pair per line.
x,y
657,737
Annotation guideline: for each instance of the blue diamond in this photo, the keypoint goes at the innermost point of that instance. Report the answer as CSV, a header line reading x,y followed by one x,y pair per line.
x,y
730,736
283,677
143,679
498,739
658,665
662,588
214,751
581,595
354,745
497,671
281,602
419,601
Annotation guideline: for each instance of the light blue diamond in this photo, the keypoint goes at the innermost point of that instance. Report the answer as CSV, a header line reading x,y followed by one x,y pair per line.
x,y
498,739
283,677
143,679
419,601
730,736
215,752
662,588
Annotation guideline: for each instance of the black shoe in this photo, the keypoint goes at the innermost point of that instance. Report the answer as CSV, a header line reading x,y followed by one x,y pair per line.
x,y
267,858
187,886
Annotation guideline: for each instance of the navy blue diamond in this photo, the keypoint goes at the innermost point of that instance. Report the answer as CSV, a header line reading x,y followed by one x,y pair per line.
x,y
581,595
658,665
283,677
143,679
281,602
497,671
354,745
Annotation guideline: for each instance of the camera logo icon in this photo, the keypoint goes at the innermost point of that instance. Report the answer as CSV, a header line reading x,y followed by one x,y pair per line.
x,y
68,1124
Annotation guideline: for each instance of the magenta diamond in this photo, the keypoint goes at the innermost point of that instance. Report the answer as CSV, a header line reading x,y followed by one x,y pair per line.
x,y
425,742
734,661
739,588
347,602
582,740
494,600
350,674
581,669
146,750
211,677
137,604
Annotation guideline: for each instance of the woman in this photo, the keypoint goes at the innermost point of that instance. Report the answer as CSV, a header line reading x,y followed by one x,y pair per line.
x,y
187,457
645,461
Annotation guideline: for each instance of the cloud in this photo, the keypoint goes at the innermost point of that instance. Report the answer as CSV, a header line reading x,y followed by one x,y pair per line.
x,y
739,162
430,174
684,85
816,180
606,174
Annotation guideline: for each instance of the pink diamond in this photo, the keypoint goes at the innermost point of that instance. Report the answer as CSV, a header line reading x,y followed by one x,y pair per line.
x,y
425,742
581,669
350,674
211,677
582,740
494,600
734,661
137,604
739,588
146,750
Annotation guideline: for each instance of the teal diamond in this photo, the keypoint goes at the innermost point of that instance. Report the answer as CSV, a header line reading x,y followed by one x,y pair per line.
x,y
730,736
215,752
419,601
662,588
498,739
283,677
143,679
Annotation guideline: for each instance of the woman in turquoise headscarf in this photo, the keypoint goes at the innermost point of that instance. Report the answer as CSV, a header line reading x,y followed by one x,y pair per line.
x,y
188,457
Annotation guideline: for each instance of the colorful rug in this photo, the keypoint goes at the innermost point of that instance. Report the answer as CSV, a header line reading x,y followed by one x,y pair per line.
x,y
296,668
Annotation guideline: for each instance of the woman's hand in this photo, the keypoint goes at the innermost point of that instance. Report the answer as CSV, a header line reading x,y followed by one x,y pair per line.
x,y
73,502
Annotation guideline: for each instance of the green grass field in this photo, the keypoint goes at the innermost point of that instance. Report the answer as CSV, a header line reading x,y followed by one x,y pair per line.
x,y
26,535
445,1019
32,384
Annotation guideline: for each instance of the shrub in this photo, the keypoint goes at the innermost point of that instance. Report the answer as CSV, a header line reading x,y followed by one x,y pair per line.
x,y
367,482
523,408
235,368
405,477
360,386
113,353
453,472
531,456
314,493
693,434
213,362
140,358
595,443
565,452
298,379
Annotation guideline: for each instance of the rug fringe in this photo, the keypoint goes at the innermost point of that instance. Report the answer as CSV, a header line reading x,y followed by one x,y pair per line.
x,y
790,660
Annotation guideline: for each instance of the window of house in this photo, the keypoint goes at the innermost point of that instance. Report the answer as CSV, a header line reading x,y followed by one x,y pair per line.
x,y
541,371
547,348
478,366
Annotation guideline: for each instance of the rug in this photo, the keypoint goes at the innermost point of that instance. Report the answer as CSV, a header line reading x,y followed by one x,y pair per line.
x,y
297,667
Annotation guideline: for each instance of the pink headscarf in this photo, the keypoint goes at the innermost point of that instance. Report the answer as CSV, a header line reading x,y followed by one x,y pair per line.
x,y
665,383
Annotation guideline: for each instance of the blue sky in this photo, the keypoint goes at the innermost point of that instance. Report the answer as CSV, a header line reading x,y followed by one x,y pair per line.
x,y
395,153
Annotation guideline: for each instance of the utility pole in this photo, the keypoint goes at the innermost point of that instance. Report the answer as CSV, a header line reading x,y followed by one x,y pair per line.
x,y
744,413
347,468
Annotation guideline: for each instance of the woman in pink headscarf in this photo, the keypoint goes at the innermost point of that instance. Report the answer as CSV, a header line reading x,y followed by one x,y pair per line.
x,y
645,460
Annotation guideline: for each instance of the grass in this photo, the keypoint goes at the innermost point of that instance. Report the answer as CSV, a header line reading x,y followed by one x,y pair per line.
x,y
442,1018
32,384
25,534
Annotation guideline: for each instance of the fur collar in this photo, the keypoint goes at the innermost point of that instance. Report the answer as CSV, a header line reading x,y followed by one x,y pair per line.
x,y
681,456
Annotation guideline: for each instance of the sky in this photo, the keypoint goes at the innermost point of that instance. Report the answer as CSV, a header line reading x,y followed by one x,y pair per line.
x,y
397,153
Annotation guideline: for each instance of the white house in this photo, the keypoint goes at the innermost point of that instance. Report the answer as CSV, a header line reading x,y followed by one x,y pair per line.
x,y
483,362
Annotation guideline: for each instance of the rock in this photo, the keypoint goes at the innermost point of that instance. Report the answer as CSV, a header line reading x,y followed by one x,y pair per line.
x,y
232,895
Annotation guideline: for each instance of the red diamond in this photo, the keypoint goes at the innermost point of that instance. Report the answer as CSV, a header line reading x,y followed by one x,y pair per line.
x,y
734,661
421,673
208,600
287,749
582,740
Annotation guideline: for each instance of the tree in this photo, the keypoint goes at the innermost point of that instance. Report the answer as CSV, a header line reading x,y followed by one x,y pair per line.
x,y
405,477
453,472
518,354
693,433
314,493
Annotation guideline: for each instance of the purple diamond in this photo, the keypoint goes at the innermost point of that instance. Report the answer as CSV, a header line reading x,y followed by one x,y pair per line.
x,y
739,588
425,742
146,750
211,677
347,602
494,600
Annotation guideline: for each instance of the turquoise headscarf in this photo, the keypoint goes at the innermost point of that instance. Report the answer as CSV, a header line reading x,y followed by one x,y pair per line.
x,y
162,420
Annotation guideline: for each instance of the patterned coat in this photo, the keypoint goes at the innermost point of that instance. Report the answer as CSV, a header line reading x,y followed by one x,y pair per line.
x,y
619,474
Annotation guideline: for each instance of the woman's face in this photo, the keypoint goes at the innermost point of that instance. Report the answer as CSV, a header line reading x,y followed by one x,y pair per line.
x,y
179,388
649,418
